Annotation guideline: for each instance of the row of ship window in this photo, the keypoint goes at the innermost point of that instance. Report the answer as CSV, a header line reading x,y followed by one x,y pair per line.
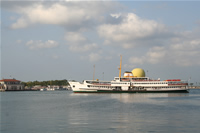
x,y
112,87
145,87
102,86
142,83
151,83
138,83
165,87
120,83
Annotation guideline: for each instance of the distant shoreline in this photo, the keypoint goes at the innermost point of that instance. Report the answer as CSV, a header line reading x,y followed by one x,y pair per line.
x,y
28,90
193,87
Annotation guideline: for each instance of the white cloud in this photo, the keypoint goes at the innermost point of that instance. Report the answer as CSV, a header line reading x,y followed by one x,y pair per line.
x,y
156,54
55,14
35,45
183,52
19,41
186,51
126,30
116,15
186,44
70,14
78,43
21,23
54,56
94,57
153,56
83,47
166,45
74,37
128,66
131,30
137,60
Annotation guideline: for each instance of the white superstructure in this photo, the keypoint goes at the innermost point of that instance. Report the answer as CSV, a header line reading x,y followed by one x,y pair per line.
x,y
130,85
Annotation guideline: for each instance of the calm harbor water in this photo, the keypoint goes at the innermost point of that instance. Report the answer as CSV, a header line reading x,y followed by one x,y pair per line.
x,y
66,112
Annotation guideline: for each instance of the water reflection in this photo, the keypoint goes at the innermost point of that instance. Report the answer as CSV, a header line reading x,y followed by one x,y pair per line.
x,y
132,97
145,97
127,112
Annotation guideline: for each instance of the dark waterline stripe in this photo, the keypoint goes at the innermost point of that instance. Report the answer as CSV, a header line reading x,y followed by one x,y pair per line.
x,y
103,91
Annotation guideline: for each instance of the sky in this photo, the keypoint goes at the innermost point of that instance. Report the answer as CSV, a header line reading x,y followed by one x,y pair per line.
x,y
62,39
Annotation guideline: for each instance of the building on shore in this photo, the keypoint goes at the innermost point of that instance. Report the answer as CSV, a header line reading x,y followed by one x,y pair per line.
x,y
11,85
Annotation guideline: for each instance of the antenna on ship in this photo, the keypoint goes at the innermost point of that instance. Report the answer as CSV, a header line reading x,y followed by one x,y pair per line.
x,y
94,72
120,67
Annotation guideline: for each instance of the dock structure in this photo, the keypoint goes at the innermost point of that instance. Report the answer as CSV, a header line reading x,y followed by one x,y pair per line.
x,y
194,87
2,90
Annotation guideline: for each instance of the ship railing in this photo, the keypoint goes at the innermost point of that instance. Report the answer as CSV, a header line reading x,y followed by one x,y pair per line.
x,y
98,83
144,80
184,84
101,84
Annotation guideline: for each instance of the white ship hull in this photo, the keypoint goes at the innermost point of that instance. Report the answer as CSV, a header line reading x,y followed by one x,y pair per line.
x,y
129,85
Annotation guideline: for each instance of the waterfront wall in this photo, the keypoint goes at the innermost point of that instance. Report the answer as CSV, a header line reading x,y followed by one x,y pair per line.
x,y
194,87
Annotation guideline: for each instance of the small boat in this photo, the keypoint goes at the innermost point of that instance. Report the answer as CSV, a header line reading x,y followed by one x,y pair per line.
x,y
43,89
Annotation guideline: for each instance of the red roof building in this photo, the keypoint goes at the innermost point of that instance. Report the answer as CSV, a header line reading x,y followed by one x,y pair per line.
x,y
9,80
11,85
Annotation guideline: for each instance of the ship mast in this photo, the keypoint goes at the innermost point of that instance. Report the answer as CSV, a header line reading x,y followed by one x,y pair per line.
x,y
94,72
120,67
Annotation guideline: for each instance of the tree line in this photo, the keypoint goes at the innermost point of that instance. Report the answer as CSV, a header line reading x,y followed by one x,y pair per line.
x,y
46,83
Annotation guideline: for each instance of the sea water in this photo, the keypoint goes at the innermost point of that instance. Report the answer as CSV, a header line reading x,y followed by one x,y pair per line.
x,y
68,112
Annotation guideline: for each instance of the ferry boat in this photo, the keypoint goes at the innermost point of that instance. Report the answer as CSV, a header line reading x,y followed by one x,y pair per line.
x,y
132,82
